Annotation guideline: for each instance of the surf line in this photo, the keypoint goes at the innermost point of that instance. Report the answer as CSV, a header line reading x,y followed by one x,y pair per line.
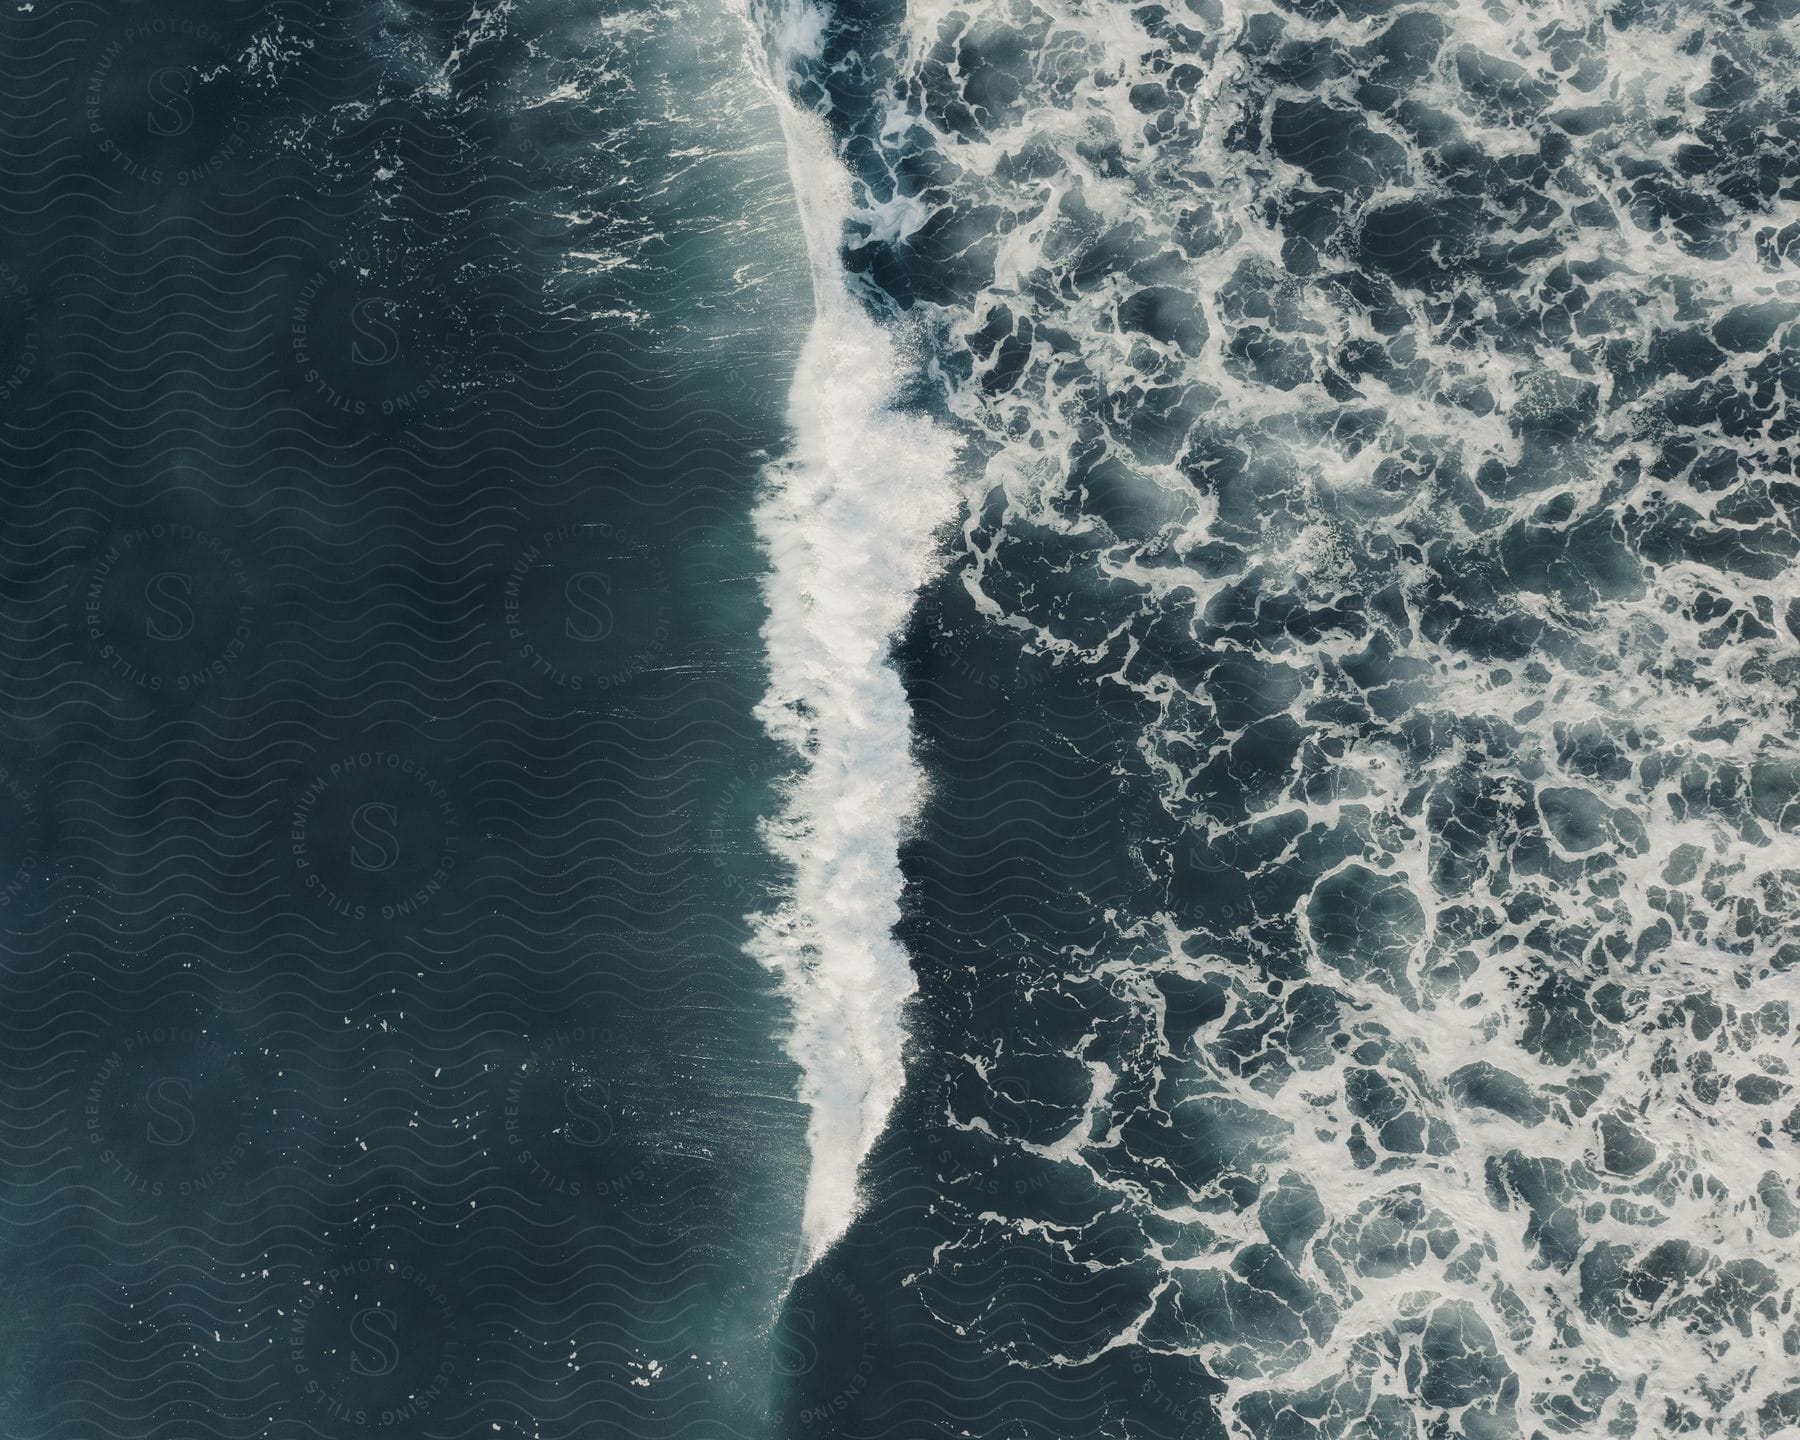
x,y
849,520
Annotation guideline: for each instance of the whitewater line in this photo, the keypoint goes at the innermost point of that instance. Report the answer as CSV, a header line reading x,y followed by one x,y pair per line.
x,y
849,522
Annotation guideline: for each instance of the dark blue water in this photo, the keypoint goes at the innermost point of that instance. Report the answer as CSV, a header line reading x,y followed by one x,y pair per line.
x,y
384,396
1344,455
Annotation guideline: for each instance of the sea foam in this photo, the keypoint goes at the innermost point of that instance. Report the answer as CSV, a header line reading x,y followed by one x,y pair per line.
x,y
849,522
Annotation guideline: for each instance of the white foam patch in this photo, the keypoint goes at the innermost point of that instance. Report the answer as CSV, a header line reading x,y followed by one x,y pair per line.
x,y
1119,143
849,522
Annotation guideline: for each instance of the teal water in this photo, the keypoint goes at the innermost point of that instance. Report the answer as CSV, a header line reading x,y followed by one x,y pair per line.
x,y
387,389
871,719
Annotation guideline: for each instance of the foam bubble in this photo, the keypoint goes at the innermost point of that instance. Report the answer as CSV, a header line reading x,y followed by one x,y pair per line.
x,y
849,521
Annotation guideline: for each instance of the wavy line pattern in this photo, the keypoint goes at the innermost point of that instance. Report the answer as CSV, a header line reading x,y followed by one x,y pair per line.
x,y
382,394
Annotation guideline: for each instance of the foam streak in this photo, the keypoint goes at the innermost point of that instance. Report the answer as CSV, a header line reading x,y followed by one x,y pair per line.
x,y
849,523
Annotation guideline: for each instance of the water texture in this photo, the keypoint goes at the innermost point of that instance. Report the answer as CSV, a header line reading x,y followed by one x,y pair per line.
x,y
385,394
1355,911
997,719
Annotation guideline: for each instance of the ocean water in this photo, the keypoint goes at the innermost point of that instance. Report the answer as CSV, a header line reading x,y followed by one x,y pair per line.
x,y
387,390
1353,909
994,719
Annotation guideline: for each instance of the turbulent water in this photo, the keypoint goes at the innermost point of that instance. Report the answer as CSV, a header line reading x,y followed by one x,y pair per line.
x,y
1356,907
901,719
848,527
